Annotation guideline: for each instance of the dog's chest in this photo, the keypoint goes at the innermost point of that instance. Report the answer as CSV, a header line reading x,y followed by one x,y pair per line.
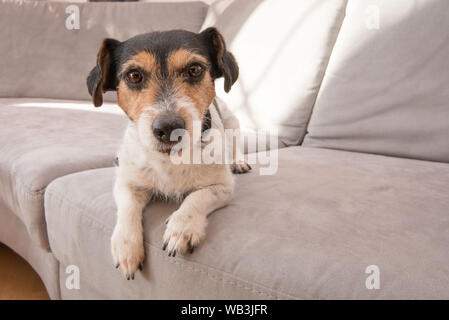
x,y
175,180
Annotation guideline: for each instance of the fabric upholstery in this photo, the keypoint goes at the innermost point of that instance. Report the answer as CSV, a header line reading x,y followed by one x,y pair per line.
x,y
309,231
14,234
282,48
386,90
41,140
42,58
259,141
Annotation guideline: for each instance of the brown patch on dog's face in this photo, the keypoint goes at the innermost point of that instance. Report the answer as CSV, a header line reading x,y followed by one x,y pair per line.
x,y
190,75
187,77
155,89
133,97
150,51
164,80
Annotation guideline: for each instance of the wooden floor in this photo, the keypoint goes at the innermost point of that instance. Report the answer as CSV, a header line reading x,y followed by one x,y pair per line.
x,y
17,279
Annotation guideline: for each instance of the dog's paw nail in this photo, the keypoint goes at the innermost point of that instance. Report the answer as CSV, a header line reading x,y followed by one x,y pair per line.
x,y
184,232
172,253
127,251
140,266
239,168
164,245
132,277
192,249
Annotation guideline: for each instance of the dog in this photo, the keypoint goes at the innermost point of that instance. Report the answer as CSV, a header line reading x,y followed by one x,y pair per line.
x,y
165,81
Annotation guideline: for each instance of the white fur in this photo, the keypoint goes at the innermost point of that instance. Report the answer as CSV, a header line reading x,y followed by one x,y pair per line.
x,y
144,173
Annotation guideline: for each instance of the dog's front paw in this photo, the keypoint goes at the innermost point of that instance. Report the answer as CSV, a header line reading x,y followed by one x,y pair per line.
x,y
127,249
184,232
240,167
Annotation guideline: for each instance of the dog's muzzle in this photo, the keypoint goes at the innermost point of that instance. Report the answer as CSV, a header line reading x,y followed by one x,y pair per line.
x,y
165,124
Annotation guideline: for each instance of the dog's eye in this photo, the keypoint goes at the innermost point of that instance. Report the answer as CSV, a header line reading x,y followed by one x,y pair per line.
x,y
134,76
195,70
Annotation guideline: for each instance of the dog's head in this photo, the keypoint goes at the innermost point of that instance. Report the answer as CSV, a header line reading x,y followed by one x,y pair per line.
x,y
164,80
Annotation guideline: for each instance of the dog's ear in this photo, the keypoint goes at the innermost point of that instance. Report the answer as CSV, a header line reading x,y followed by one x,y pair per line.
x,y
102,77
223,61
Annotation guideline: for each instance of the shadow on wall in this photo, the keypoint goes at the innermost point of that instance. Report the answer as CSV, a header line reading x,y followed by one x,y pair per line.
x,y
268,66
381,83
224,11
268,39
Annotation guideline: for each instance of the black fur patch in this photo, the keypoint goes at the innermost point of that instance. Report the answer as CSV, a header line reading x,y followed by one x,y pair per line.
x,y
208,43
207,122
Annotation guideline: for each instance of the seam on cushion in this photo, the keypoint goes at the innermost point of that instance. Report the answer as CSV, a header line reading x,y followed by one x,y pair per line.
x,y
79,208
29,194
222,279
184,263
28,191
324,74
213,277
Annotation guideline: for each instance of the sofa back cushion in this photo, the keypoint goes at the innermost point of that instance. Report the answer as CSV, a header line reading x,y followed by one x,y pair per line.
x,y
41,57
386,87
282,48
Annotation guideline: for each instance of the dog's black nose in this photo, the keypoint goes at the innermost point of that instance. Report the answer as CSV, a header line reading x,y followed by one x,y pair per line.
x,y
165,124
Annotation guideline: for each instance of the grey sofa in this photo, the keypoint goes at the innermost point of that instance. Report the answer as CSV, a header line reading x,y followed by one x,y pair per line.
x,y
356,95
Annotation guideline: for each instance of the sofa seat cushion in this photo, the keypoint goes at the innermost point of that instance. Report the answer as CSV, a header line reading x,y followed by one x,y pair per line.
x,y
309,231
41,140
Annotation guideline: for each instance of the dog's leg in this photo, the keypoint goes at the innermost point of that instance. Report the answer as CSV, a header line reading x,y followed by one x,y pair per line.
x,y
186,227
231,123
127,238
239,164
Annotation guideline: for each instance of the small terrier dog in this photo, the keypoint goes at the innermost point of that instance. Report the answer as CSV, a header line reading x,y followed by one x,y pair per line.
x,y
165,82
